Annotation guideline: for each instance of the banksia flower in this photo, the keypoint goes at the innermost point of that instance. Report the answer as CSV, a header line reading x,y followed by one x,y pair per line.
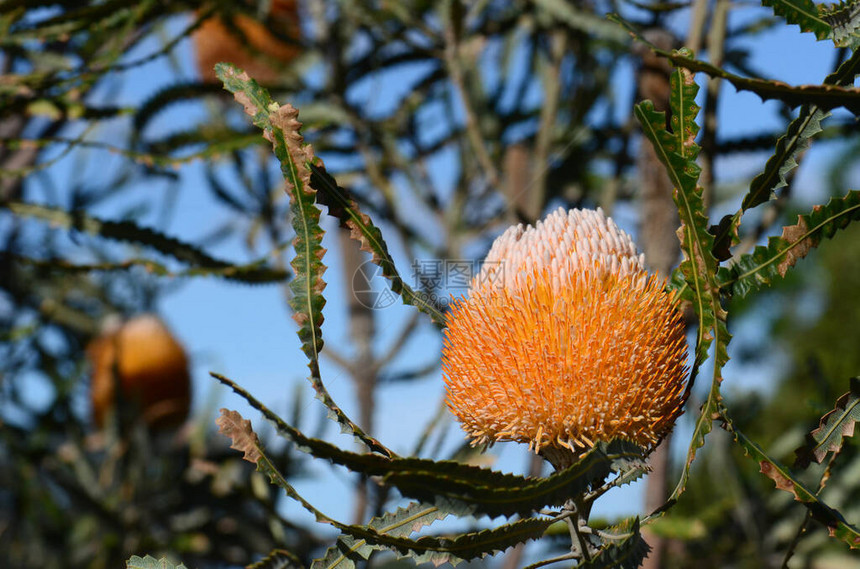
x,y
150,367
259,52
565,340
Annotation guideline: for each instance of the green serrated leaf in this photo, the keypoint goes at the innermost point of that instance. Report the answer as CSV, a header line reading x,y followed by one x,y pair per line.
x,y
400,523
844,20
802,13
362,229
626,549
796,140
785,480
278,559
761,267
281,127
825,97
677,151
462,489
472,491
832,428
436,550
149,562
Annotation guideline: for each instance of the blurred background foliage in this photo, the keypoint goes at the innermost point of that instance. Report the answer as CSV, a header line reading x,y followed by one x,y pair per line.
x,y
447,121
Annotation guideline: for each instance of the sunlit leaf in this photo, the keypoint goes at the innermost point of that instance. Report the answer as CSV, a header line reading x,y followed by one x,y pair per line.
x,y
803,13
769,262
677,151
281,127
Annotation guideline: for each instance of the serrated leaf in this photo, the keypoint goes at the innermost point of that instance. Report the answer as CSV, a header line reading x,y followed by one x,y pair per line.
x,y
626,551
130,232
463,489
796,140
149,562
278,559
362,229
252,273
844,21
435,550
400,523
244,439
472,491
784,480
802,13
677,151
832,428
759,268
281,127
825,97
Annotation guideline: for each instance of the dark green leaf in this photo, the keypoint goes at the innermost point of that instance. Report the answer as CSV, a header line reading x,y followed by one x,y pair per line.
x,y
803,13
677,151
362,229
464,489
626,550
130,232
825,97
796,140
759,268
835,425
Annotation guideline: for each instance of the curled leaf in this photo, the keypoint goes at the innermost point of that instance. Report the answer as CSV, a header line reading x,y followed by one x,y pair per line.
x,y
832,429
231,424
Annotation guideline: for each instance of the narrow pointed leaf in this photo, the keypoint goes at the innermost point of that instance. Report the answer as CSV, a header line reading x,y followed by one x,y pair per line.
x,y
281,127
473,492
129,232
767,263
677,151
835,523
362,229
437,550
464,489
796,140
832,429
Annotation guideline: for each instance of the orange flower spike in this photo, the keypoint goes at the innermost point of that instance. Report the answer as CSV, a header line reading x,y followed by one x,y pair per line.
x,y
565,340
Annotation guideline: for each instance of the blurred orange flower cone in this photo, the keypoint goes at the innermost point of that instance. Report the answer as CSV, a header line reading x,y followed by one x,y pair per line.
x,y
150,367
565,340
259,52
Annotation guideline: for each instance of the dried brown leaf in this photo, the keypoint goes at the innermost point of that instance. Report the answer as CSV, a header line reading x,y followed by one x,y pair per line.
x,y
231,424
